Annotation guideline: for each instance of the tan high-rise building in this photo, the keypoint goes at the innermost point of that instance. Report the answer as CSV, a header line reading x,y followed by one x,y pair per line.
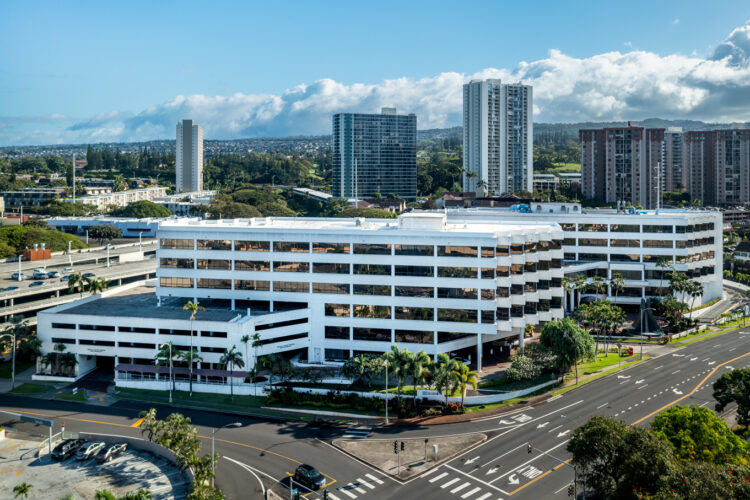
x,y
189,155
717,163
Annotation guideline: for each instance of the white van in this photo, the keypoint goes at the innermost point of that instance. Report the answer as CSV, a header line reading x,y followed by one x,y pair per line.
x,y
40,274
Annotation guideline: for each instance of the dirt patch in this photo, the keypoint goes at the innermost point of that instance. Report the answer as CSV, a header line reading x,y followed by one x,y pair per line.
x,y
417,456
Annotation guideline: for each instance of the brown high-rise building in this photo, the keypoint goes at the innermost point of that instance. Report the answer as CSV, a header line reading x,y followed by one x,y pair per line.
x,y
717,164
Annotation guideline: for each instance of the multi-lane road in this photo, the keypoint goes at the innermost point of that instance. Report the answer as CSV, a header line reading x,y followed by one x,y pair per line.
x,y
265,452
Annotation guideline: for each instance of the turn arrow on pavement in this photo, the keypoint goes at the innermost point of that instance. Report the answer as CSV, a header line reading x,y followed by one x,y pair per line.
x,y
513,480
563,433
492,470
472,460
541,426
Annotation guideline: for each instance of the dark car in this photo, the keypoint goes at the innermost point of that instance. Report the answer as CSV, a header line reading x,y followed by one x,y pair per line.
x,y
308,476
36,283
67,448
114,451
10,288
88,275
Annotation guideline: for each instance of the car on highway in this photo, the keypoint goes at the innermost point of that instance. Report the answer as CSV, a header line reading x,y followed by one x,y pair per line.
x,y
53,274
15,276
88,275
36,283
10,288
67,270
67,448
89,450
40,274
308,476
65,278
113,451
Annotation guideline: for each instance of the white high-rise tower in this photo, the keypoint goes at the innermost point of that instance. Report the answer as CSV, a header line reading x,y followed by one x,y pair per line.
x,y
498,137
189,155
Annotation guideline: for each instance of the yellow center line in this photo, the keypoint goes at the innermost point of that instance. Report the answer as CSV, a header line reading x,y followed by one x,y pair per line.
x,y
138,422
695,389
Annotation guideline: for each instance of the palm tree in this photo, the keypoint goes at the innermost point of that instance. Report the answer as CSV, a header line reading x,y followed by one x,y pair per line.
x,y
363,364
22,490
245,339
617,284
193,307
464,377
695,290
568,285
166,355
230,359
399,360
96,285
443,371
419,369
580,283
75,283
104,495
662,262
598,284
481,185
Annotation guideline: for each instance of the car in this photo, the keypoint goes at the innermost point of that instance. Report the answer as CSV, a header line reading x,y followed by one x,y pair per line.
x,y
15,276
67,270
308,476
67,448
65,278
53,274
36,283
113,451
89,450
40,274
10,288
88,275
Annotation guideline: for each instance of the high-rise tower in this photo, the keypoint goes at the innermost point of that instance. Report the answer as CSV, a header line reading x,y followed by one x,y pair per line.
x,y
189,153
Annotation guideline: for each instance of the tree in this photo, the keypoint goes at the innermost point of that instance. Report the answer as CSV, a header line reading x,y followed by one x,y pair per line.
x,y
104,233
193,308
22,490
443,376
598,284
464,377
734,387
580,284
398,362
75,283
694,290
191,356
166,356
663,263
419,369
617,284
142,210
231,359
368,213
567,341
245,340
95,285
697,434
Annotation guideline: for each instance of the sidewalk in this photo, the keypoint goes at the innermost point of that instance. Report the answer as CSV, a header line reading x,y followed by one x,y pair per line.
x,y
21,378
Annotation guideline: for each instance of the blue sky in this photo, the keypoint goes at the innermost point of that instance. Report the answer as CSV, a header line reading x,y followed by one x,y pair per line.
x,y
90,71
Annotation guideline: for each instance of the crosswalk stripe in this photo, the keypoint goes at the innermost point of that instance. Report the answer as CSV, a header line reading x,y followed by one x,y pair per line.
x,y
357,489
438,478
455,480
332,496
459,488
362,481
370,476
470,492
346,492
483,497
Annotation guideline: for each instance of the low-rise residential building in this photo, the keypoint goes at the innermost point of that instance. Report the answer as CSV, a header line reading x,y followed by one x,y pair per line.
x,y
120,198
29,197
185,203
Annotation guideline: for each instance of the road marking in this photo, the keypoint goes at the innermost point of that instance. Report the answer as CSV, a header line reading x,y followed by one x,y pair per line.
x,y
472,460
489,484
492,471
470,492
623,376
138,422
438,478
641,387
252,471
370,476
711,363
661,366
346,492
694,358
506,453
454,480
512,479
601,406
357,488
332,496
359,479
640,381
541,426
483,497
523,465
563,433
459,488
704,404
732,349
558,491
555,428
675,372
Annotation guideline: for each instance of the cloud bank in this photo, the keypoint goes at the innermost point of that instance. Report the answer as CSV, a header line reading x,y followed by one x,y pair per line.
x,y
603,87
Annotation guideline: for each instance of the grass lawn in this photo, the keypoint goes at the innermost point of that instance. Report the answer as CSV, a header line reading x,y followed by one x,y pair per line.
x,y
32,388
6,368
69,396
198,397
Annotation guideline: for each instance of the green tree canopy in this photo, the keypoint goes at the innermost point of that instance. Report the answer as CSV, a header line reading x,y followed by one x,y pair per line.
x,y
734,387
105,233
141,210
567,341
368,213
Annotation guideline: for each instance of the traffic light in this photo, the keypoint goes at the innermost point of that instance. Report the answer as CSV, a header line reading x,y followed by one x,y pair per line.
x,y
395,447
402,446
325,494
529,448
296,495
571,490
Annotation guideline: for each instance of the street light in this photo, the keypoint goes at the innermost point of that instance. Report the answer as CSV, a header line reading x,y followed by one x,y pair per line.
x,y
213,434
385,363
643,318
107,254
13,366
169,383
20,258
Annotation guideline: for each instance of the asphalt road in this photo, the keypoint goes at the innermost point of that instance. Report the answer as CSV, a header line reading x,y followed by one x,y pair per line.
x,y
266,452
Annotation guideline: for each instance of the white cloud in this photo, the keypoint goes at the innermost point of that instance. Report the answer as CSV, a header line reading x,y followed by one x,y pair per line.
x,y
676,21
611,86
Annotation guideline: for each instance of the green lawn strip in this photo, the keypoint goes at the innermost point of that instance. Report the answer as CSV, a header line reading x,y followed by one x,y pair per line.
x,y
28,388
69,396
706,337
6,368
201,397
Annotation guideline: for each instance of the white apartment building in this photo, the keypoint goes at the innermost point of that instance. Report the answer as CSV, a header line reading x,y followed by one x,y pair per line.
x,y
185,203
498,137
606,242
189,157
120,198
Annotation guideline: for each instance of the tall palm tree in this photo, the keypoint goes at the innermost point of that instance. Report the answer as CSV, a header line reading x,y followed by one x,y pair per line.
x,y
464,377
399,360
363,363
22,490
568,285
419,369
75,283
443,371
580,284
230,359
617,284
193,308
96,285
662,262
597,283
166,355
190,357
695,290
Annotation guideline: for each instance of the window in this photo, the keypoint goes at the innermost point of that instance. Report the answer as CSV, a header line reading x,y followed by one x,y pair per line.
x,y
252,246
291,246
516,311
330,247
657,229
619,257
516,269
450,336
176,263
488,273
337,332
372,249
543,305
372,334
214,283
339,288
502,291
502,314
529,247
291,267
592,256
543,285
214,244
291,286
212,334
488,317
371,311
106,328
330,268
252,265
136,345
225,265
457,272
281,324
453,251
171,244
457,293
530,287
260,286
568,226
516,289
64,326
657,243
415,313
543,265
529,308
414,271
414,336
96,342
592,242
555,244
414,291
421,250
516,249
61,340
176,282
625,243
457,315
487,294
372,290
596,228
502,251
337,354
569,241
529,267
337,310
502,271
373,269
488,252
625,228
543,246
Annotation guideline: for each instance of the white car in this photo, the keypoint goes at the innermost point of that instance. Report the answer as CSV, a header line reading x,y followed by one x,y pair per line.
x,y
67,270
89,450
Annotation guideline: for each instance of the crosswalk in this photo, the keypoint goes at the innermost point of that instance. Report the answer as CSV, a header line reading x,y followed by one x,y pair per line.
x,y
357,432
459,486
359,486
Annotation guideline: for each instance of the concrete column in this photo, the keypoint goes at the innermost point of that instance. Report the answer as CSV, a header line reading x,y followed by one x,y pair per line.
x,y
57,293
479,353
521,340
11,302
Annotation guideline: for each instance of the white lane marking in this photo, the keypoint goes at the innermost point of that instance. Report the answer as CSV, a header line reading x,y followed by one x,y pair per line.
x,y
541,426
678,355
677,392
370,476
717,345
563,433
472,460
513,479
470,492
492,471
623,376
694,358
252,471
601,406
554,398
732,349
662,366
346,492
357,488
558,491
641,387
712,363
428,473
640,381
675,372
438,478
475,479
483,497
506,453
528,462
555,428
704,404
459,488
362,481
454,480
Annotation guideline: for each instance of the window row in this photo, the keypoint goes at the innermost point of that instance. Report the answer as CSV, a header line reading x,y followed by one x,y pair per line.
x,y
636,228
409,313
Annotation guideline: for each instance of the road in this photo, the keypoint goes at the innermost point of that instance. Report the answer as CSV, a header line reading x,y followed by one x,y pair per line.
x,y
499,468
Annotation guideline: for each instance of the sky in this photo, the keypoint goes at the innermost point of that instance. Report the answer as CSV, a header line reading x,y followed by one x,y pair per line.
x,y
92,71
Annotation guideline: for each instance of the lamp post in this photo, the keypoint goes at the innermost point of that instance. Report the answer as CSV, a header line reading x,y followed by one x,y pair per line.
x,y
70,256
20,258
13,365
107,254
213,434
168,344
140,241
385,363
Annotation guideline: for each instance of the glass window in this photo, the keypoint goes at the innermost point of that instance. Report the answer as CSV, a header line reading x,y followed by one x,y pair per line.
x,y
337,310
330,268
487,294
176,263
657,243
592,242
543,246
529,247
291,246
502,271
453,251
529,308
568,226
502,250
516,249
252,246
542,265
339,288
625,228
214,283
516,311
450,336
502,313
214,244
337,332
618,257
415,313
414,271
625,243
457,293
543,284
422,250
371,311
596,228
555,244
173,244
502,291
516,289
529,267
414,337
488,317
260,286
337,354
457,272
569,241
252,265
530,287
488,252
291,267
330,247
372,249
592,256
176,282
372,289
374,269
516,269
291,286
225,265
414,291
457,315
372,334
657,229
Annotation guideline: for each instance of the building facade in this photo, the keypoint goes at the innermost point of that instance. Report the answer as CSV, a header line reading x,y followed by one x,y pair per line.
x,y
717,164
189,156
674,176
120,198
374,154
498,137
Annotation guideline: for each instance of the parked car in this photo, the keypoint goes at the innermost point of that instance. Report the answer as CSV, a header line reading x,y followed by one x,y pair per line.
x,y
15,276
308,476
36,283
53,274
114,451
89,450
67,270
10,288
88,275
67,448
40,274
